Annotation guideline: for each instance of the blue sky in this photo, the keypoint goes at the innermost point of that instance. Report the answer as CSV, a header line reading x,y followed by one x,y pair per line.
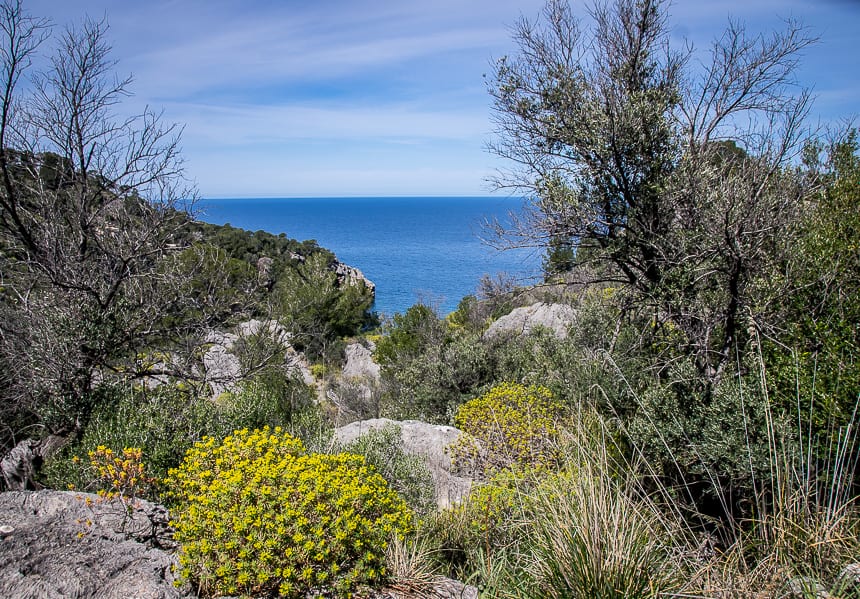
x,y
376,97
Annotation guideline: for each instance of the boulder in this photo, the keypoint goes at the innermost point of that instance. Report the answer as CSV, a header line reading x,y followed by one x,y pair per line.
x,y
521,321
359,363
63,544
431,442
223,370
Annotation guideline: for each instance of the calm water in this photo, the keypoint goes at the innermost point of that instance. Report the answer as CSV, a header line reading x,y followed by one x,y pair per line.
x,y
412,248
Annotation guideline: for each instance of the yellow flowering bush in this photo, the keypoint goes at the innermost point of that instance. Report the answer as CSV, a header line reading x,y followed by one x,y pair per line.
x,y
257,516
511,425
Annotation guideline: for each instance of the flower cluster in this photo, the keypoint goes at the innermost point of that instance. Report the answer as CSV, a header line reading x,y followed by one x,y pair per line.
x,y
511,425
256,515
121,476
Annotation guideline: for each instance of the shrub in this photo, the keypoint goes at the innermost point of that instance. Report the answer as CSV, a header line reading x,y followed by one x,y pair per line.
x,y
256,515
510,425
407,474
162,422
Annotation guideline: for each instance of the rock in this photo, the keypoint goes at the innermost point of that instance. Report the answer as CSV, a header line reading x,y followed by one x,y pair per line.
x,y
223,370
264,268
803,587
360,364
521,321
431,442
62,547
349,275
848,580
440,588
18,466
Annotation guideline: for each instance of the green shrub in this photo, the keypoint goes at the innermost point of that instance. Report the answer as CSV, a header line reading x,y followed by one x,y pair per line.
x,y
271,398
511,425
407,474
256,515
163,422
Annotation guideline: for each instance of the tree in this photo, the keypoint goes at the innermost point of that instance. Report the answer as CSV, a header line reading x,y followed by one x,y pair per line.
x,y
319,309
89,229
668,178
813,346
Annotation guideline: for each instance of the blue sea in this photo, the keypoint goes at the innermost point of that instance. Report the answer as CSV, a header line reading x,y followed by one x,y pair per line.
x,y
414,249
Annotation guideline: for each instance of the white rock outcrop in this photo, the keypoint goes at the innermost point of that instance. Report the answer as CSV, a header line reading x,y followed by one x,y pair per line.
x,y
558,318
221,364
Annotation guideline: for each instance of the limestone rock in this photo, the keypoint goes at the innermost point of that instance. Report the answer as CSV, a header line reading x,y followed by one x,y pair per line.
x,y
18,466
351,276
359,363
61,547
849,580
521,321
431,442
803,587
223,370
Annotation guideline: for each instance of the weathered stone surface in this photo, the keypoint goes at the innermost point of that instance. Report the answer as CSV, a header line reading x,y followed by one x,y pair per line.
x,y
429,441
441,588
848,580
521,321
62,547
351,276
223,370
803,587
359,363
18,466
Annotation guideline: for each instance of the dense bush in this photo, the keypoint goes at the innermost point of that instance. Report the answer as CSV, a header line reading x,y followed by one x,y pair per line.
x,y
511,425
162,422
256,515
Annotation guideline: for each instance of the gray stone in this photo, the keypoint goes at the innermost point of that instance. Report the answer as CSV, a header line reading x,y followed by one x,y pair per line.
x,y
521,321
223,370
18,467
804,587
61,546
848,580
359,363
351,276
431,442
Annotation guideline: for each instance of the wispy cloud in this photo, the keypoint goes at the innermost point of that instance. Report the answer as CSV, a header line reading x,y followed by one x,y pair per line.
x,y
373,96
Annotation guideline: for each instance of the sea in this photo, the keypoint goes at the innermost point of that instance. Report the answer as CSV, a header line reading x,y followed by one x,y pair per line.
x,y
415,249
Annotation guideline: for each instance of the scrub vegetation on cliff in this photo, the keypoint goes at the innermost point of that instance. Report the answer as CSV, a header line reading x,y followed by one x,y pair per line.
x,y
682,423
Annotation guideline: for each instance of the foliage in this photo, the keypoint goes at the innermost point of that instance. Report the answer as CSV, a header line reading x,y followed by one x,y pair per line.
x,y
428,367
814,298
89,219
317,309
269,398
672,176
511,425
594,538
256,515
716,446
409,335
122,476
162,422
406,473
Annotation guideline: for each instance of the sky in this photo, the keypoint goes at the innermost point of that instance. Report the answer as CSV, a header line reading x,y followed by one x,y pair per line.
x,y
289,98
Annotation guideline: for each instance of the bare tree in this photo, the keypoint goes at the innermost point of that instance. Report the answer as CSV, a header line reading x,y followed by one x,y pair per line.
x,y
671,175
93,269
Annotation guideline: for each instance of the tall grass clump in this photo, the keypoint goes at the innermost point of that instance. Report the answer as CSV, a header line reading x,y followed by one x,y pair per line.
x,y
595,533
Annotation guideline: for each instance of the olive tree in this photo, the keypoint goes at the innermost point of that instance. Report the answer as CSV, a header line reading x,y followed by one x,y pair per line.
x,y
665,171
